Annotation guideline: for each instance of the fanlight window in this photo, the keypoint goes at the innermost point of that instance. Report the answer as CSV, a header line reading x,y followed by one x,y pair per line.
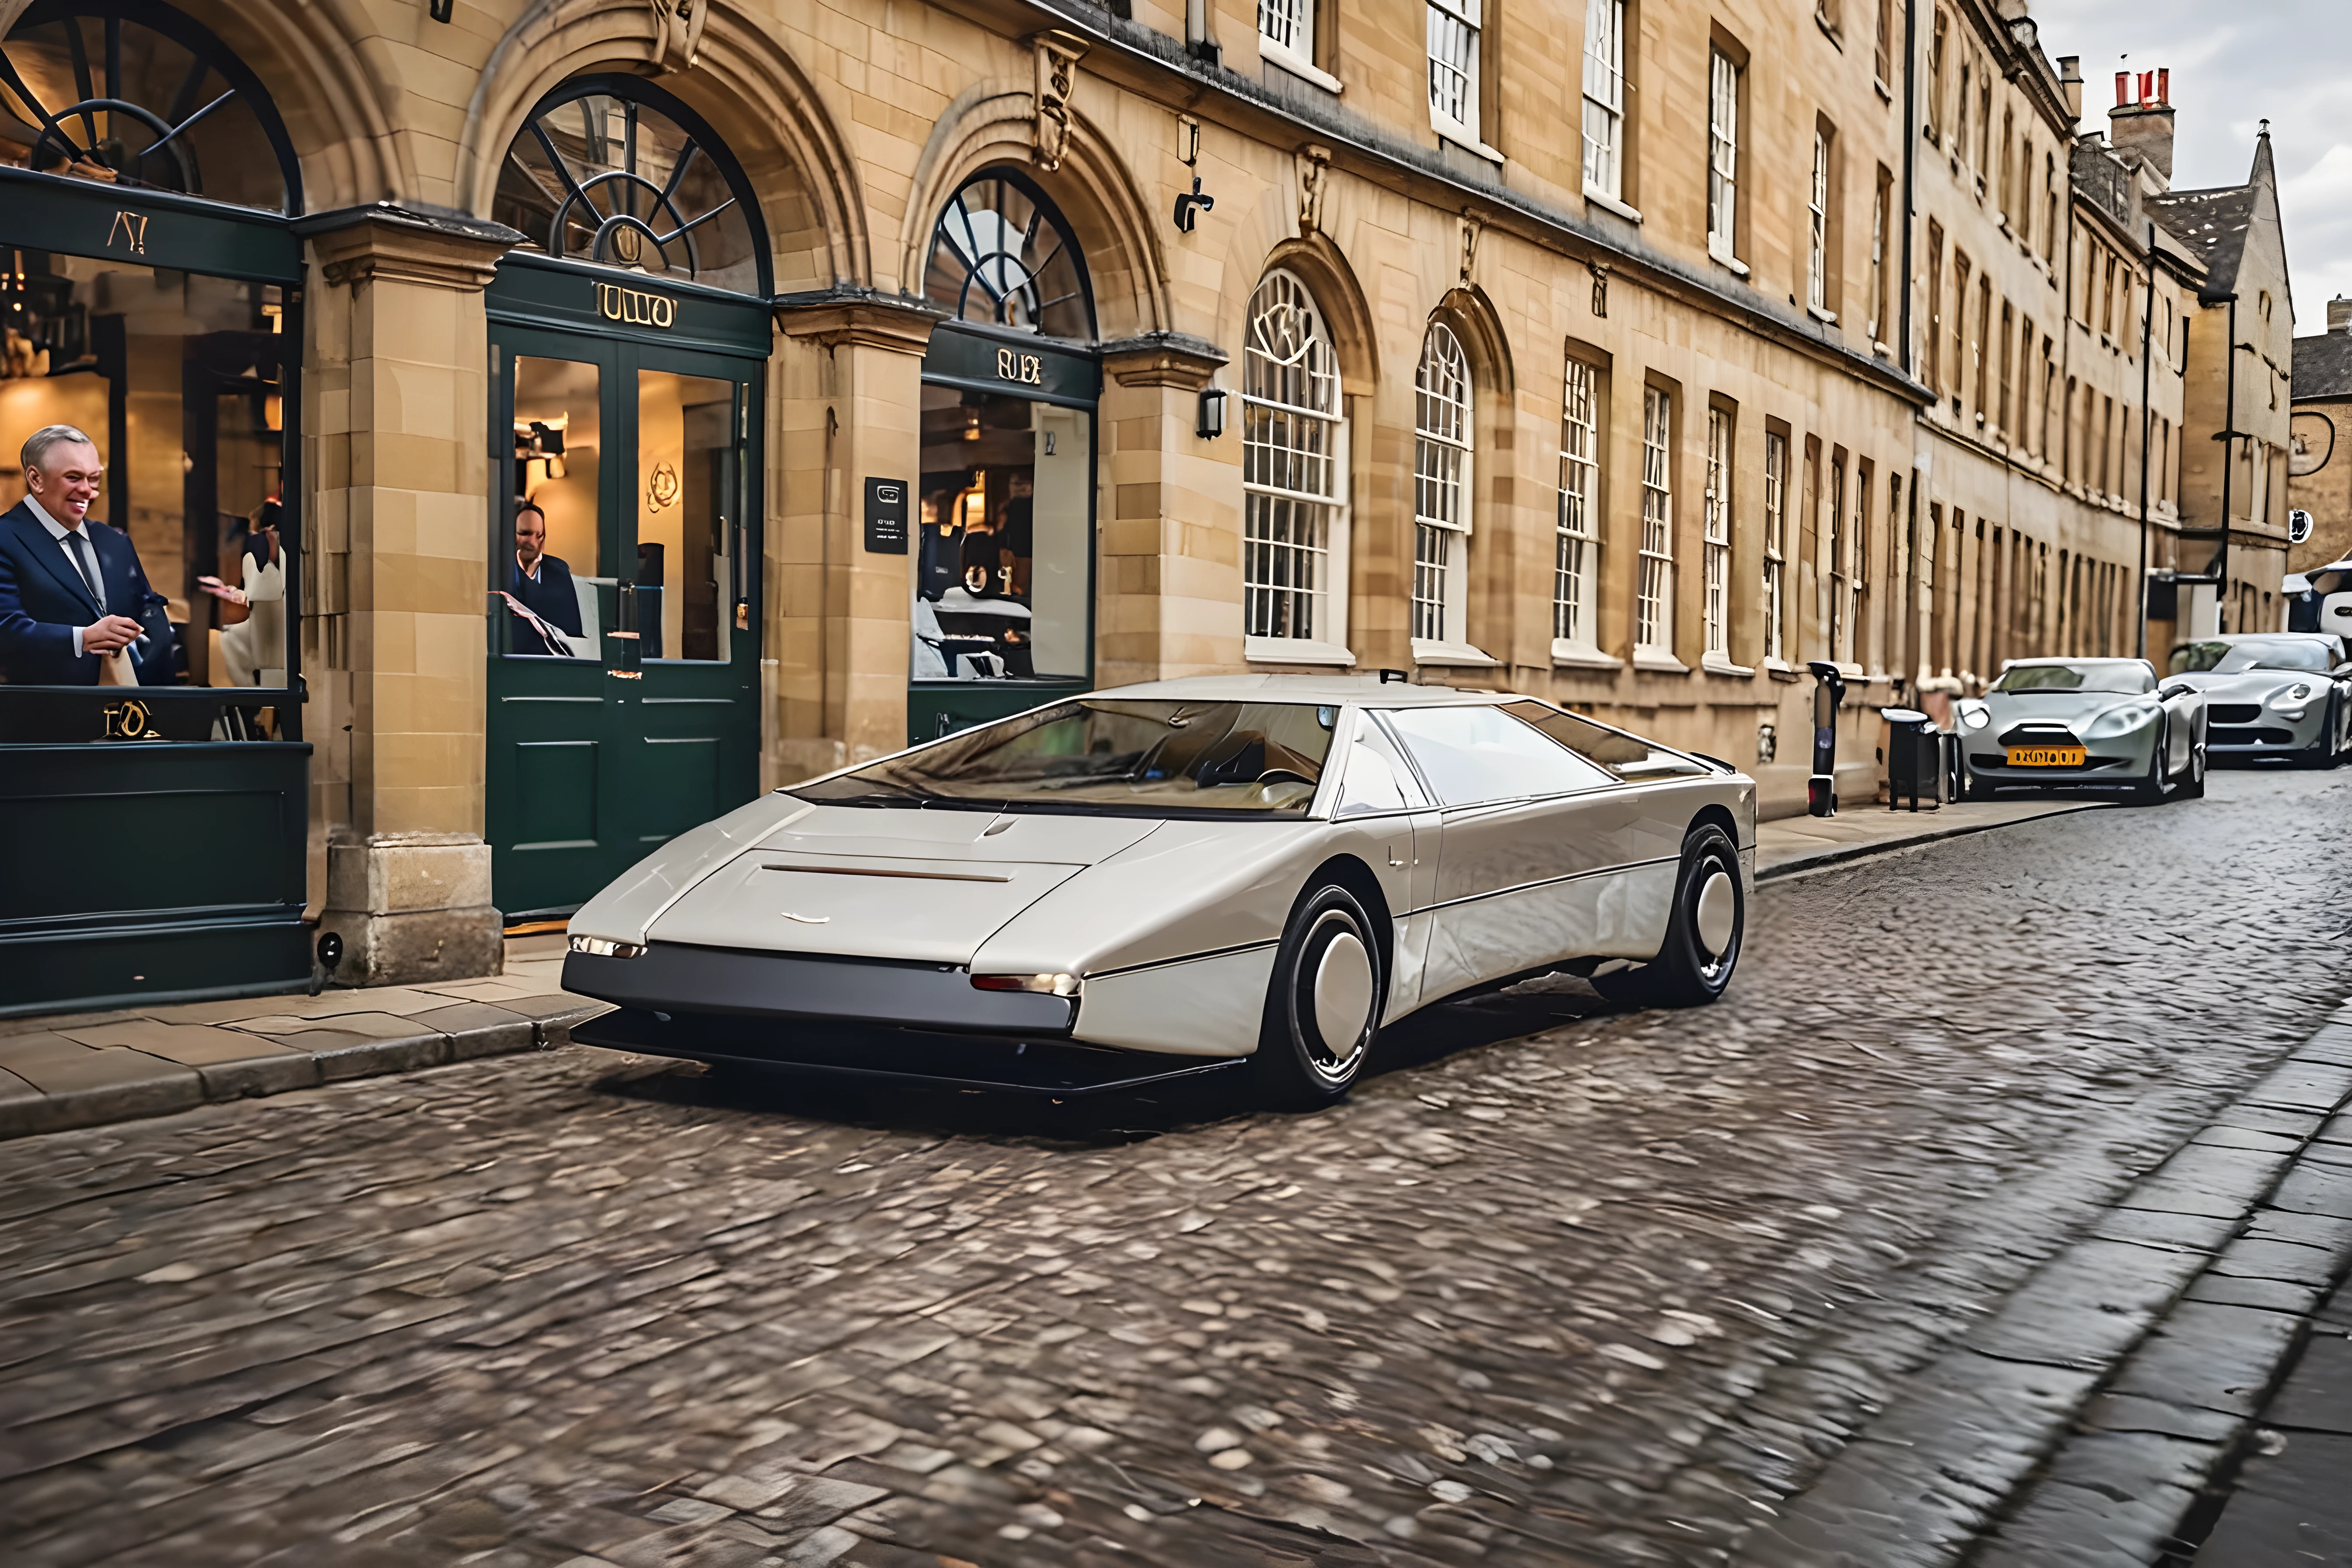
x,y
1002,257
1291,473
140,98
628,182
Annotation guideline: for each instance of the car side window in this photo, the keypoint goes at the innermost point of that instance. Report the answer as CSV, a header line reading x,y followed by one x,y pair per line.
x,y
1370,783
1625,756
1473,754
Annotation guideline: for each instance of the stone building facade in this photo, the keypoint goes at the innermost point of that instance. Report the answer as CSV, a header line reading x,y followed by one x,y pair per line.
x,y
881,369
2320,445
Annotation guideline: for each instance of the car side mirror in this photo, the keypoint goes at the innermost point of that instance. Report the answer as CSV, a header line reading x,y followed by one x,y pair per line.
x,y
2342,669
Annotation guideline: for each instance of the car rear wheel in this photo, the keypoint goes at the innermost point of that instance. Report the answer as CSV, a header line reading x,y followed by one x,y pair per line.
x,y
1323,1008
2323,753
1704,931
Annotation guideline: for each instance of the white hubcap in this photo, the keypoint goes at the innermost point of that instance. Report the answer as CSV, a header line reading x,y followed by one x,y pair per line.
x,y
1718,907
1343,994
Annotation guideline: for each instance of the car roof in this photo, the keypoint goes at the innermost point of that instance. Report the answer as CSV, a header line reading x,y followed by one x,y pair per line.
x,y
2102,658
1366,691
2235,637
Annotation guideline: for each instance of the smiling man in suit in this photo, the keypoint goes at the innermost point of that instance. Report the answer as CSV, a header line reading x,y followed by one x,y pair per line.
x,y
70,586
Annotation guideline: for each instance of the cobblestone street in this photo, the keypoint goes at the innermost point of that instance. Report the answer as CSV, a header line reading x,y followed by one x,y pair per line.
x,y
1607,1294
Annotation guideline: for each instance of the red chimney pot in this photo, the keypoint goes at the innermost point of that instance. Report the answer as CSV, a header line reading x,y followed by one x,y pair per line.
x,y
2164,86
2123,88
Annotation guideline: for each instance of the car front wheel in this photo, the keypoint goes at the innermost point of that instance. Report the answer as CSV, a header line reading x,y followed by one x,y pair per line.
x,y
1703,929
1323,1008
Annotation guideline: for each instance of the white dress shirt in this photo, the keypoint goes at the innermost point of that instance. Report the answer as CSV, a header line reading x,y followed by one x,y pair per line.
x,y
58,530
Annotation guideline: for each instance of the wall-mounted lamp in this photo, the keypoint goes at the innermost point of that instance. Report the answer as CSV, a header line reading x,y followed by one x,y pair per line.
x,y
1212,413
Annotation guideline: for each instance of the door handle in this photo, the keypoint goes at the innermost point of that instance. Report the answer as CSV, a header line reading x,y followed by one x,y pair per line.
x,y
1392,859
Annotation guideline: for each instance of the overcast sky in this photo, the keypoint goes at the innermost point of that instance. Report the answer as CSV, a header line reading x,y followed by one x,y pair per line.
x,y
2234,65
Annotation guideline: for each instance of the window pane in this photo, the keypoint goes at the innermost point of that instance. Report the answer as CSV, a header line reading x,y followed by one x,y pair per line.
x,y
1371,785
1483,754
1001,574
176,379
689,474
1289,462
1625,756
554,566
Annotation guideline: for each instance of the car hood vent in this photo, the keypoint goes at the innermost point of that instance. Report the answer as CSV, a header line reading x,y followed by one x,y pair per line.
x,y
2039,734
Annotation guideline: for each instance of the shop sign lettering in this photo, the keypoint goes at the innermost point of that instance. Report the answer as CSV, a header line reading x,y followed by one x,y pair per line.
x,y
132,230
127,721
1027,369
636,307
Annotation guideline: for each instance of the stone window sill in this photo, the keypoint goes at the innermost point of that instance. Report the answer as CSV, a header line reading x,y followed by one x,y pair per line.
x,y
1720,664
1658,661
1275,54
1601,199
1568,655
1294,650
1459,655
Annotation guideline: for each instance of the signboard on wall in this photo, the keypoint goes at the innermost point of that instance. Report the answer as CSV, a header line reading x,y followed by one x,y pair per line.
x,y
886,517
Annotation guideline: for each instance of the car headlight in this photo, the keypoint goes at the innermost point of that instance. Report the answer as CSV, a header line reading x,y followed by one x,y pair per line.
x,y
2294,696
600,948
2117,722
1975,717
1050,985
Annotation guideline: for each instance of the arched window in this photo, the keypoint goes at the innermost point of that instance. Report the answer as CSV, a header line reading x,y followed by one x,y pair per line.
x,y
138,97
1002,257
1294,476
1441,460
613,171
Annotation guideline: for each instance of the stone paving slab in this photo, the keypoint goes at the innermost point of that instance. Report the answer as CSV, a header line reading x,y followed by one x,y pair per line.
x,y
87,1069
1787,845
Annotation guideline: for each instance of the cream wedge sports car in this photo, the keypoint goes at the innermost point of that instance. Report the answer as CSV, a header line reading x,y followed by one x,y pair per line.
x,y
1169,878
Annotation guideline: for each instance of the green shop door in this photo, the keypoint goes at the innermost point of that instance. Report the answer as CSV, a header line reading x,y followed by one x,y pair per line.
x,y
635,716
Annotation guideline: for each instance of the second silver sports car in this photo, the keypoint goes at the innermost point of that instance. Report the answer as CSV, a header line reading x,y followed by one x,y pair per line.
x,y
1165,878
2273,694
2104,723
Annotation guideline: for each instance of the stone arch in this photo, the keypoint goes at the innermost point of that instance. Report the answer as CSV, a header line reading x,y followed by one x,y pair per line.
x,y
322,80
741,81
994,124
1474,320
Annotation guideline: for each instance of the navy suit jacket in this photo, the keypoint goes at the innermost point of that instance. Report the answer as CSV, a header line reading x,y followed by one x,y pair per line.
x,y
552,598
43,599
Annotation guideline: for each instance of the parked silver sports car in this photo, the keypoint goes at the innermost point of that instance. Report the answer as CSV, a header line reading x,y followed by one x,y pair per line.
x,y
2273,694
1169,878
2100,722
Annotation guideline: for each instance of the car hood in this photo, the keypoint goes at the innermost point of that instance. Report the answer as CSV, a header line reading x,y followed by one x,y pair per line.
x,y
2072,709
2253,685
922,886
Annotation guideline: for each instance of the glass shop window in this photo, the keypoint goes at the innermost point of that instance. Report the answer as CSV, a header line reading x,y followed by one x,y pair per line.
x,y
178,380
1002,581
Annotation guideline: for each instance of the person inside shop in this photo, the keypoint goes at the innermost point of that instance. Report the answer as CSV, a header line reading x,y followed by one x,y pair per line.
x,y
542,582
983,563
76,607
253,615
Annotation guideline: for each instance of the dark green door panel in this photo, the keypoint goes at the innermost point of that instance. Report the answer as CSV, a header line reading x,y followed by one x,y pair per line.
x,y
594,761
151,873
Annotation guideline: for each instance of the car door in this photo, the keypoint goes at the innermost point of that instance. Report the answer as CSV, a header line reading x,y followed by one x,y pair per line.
x,y
1387,820
1531,836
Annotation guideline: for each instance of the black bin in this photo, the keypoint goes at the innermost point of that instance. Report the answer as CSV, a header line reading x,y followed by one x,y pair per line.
x,y
1915,758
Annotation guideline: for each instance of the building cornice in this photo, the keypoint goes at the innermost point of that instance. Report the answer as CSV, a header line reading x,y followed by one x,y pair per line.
x,y
1156,66
397,242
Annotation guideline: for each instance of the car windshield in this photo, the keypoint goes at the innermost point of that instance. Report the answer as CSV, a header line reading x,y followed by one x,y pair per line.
x,y
2196,658
2125,675
1105,754
2303,655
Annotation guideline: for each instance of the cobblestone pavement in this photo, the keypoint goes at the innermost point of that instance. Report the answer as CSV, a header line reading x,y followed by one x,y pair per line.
x,y
1602,1295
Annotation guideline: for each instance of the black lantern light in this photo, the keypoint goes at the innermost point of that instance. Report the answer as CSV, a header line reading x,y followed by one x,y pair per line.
x,y
1212,413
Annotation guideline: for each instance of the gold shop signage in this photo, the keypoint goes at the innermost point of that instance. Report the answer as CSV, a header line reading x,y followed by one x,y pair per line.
x,y
636,307
1025,370
130,720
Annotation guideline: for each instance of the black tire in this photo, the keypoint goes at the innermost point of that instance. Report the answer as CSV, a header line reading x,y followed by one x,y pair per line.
x,y
2149,791
2192,783
1329,972
2322,754
1687,972
1971,788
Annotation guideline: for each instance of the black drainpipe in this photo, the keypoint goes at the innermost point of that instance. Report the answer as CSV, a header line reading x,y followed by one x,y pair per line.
x,y
1910,158
2147,342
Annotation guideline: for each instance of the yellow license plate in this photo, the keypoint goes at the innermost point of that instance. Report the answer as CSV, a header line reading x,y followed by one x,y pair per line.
x,y
2045,756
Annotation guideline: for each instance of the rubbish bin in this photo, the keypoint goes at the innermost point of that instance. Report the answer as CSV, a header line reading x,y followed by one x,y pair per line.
x,y
1915,758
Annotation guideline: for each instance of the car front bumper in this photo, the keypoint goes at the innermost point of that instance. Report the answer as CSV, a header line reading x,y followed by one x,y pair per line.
x,y
2267,734
674,977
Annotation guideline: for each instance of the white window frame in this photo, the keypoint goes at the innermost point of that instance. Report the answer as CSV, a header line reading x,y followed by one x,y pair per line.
x,y
1444,463
1833,552
1714,548
1654,596
1294,429
1817,226
1776,549
1723,158
1576,565
1453,36
1604,100
1881,190
1286,35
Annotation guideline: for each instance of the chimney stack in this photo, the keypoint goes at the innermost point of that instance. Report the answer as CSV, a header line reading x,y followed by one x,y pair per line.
x,y
2145,127
2070,78
2339,314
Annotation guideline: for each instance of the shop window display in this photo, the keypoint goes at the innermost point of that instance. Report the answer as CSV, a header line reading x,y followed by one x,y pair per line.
x,y
1002,586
